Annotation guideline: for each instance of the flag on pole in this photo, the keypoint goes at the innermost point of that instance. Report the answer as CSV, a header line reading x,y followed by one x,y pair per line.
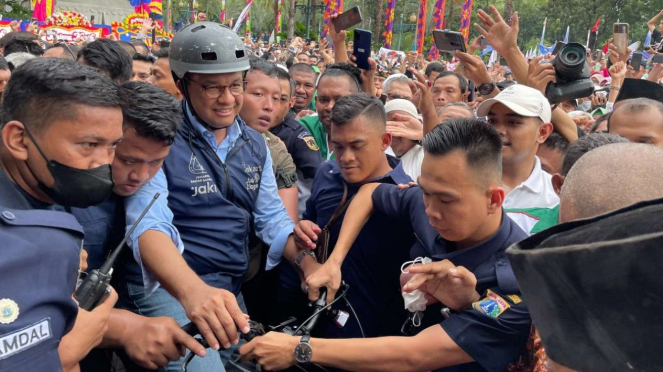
x,y
421,26
222,15
42,9
279,21
566,37
438,24
248,24
596,25
648,40
543,32
389,23
465,18
242,15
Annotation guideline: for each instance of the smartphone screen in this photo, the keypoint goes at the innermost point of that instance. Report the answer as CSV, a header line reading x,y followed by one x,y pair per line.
x,y
620,36
657,58
592,41
347,19
636,61
362,48
484,42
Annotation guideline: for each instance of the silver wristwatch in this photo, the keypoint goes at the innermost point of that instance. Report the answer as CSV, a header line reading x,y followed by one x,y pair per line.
x,y
298,261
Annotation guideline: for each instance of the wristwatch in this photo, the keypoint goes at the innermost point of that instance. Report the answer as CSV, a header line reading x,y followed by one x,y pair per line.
x,y
487,88
298,261
303,351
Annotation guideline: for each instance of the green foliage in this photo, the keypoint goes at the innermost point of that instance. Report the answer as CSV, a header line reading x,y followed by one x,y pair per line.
x,y
15,10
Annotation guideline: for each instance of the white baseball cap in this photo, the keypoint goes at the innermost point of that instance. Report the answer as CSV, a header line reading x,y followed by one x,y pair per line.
x,y
522,100
401,105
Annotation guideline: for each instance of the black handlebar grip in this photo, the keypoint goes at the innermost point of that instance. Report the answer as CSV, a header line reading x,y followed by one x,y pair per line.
x,y
191,329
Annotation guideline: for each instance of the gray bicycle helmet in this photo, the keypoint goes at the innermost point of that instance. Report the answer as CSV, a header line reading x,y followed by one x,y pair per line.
x,y
207,48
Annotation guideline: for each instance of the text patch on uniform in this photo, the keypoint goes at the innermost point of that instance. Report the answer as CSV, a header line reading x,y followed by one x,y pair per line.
x,y
23,339
492,305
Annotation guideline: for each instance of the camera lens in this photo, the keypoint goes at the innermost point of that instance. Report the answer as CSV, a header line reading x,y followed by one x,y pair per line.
x,y
570,60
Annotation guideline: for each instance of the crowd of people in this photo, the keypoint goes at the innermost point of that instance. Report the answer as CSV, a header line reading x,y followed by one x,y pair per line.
x,y
451,216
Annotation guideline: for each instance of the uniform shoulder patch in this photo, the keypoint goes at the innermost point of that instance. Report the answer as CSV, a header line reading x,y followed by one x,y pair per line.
x,y
309,140
492,305
515,299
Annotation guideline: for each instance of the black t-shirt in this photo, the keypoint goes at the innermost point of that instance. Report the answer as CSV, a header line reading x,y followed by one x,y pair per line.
x,y
655,37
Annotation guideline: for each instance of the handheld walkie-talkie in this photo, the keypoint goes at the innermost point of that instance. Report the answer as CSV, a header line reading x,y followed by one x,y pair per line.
x,y
96,287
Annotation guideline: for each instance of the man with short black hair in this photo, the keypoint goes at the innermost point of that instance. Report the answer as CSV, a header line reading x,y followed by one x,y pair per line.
x,y
161,76
551,153
306,79
458,220
108,57
140,47
300,143
142,67
60,124
359,139
433,70
449,86
640,120
338,80
150,121
24,46
455,110
303,58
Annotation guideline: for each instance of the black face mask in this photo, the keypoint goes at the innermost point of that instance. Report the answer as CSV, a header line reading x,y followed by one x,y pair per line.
x,y
80,188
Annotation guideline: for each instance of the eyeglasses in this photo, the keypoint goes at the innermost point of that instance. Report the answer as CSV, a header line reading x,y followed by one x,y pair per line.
x,y
215,91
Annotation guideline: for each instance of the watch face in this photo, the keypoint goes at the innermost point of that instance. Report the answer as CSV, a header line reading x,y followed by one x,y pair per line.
x,y
303,353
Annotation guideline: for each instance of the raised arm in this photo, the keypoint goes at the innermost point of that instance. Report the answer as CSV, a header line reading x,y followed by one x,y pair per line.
x,y
356,216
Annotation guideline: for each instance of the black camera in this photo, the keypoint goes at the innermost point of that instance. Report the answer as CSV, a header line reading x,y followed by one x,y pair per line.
x,y
572,73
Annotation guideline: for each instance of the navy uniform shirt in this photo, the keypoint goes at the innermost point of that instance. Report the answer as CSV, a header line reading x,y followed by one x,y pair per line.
x,y
38,272
495,329
301,145
372,267
104,227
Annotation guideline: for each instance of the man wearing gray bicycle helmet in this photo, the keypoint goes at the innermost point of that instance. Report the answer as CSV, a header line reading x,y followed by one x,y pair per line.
x,y
220,188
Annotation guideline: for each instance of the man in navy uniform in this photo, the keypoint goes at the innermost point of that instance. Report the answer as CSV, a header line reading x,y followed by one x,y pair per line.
x,y
359,138
456,214
300,142
220,188
60,123
151,117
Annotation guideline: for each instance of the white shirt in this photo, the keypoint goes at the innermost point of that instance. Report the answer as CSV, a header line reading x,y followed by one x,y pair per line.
x,y
536,192
411,162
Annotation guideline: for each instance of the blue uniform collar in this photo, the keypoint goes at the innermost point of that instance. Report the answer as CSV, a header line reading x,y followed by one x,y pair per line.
x,y
472,257
395,176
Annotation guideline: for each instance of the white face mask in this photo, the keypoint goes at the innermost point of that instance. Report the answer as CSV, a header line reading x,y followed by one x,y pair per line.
x,y
415,301
585,106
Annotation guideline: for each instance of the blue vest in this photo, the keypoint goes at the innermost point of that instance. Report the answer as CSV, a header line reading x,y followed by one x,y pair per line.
x,y
212,201
38,272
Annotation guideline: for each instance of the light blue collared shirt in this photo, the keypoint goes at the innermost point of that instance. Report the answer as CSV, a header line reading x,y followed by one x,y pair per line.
x,y
271,221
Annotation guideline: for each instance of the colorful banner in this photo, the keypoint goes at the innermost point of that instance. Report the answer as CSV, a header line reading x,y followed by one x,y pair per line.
x,y
222,15
65,29
465,18
421,25
42,9
389,23
128,29
147,6
438,24
331,7
279,20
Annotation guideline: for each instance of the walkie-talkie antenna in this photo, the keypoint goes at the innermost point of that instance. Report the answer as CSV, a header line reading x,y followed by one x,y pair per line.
x,y
108,265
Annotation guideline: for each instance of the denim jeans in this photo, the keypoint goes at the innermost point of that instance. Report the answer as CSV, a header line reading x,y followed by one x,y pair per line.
x,y
161,303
